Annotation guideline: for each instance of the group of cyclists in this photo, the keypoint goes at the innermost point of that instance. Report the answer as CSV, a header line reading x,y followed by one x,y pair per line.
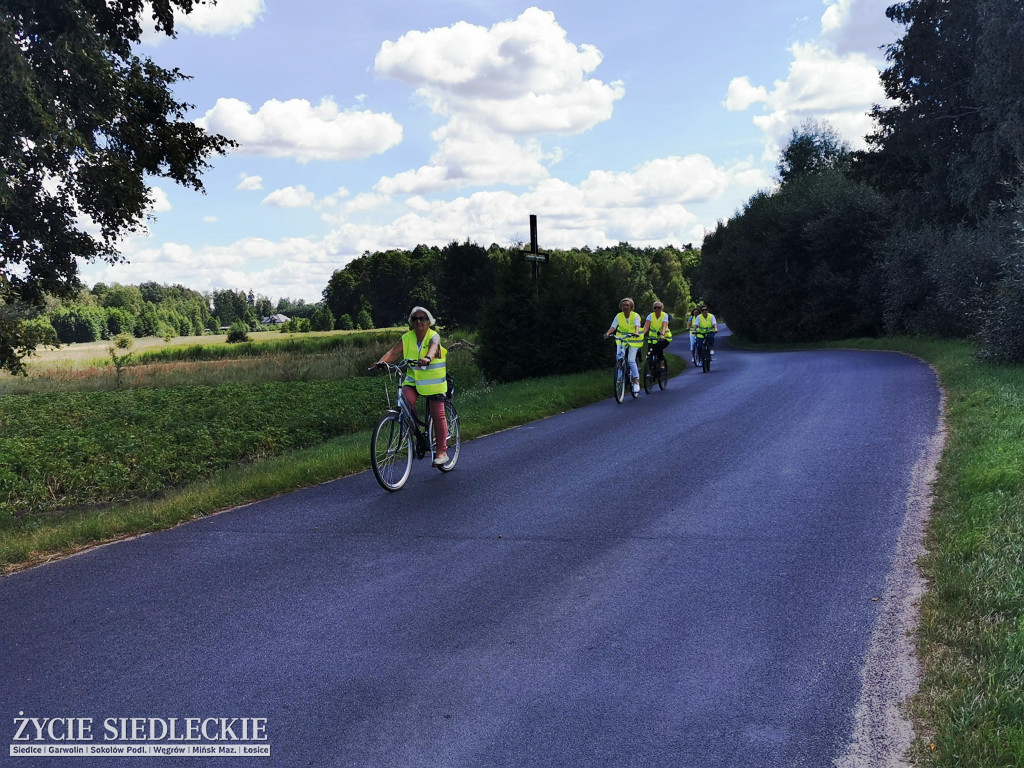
x,y
631,333
429,376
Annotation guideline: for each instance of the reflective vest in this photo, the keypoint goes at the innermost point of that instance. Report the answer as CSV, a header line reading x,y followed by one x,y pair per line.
x,y
431,380
702,326
655,329
628,325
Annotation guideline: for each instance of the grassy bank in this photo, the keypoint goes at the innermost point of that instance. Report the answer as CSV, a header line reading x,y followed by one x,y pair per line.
x,y
970,708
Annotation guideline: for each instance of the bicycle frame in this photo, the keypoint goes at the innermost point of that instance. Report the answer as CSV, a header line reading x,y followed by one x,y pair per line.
x,y
410,420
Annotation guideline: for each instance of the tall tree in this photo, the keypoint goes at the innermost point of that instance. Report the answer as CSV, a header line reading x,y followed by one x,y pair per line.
x,y
85,123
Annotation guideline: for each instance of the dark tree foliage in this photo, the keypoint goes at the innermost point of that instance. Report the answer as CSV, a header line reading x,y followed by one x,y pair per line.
x,y
465,282
813,147
799,264
554,321
85,122
949,151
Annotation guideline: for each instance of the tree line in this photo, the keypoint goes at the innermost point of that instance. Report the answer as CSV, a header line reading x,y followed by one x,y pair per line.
x,y
918,234
152,309
530,320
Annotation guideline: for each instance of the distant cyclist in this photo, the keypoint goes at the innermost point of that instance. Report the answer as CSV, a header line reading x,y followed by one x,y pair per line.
x,y
692,331
705,325
658,333
628,321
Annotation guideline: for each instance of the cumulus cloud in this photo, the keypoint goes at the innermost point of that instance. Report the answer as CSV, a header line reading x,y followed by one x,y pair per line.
x,y
250,183
295,267
290,197
655,203
298,129
742,94
500,89
470,152
226,17
833,78
857,26
160,201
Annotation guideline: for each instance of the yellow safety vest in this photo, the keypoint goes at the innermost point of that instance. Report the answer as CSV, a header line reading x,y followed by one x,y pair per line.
x,y
628,325
433,379
655,329
704,325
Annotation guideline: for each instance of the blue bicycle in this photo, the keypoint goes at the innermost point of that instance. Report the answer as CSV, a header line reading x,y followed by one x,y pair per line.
x,y
400,434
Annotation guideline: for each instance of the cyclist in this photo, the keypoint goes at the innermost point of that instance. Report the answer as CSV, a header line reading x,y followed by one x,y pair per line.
x,y
430,377
628,321
693,336
658,333
705,324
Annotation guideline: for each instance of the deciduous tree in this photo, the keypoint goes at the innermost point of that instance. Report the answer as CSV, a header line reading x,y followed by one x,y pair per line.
x,y
86,123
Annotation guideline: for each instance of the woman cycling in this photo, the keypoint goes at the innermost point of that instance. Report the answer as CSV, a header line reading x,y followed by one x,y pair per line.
x,y
626,322
691,327
658,333
430,377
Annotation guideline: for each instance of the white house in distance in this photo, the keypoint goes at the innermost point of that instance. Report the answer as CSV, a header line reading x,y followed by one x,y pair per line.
x,y
275,320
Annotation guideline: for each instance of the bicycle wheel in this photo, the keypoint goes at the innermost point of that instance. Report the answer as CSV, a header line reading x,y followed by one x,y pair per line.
x,y
663,375
705,358
621,380
454,443
648,374
391,452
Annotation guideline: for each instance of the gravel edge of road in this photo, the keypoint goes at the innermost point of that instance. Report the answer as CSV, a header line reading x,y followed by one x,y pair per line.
x,y
883,733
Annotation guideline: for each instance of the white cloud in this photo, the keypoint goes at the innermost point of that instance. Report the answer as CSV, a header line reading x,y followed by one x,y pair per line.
x,y
470,153
742,94
651,205
290,197
857,25
500,88
160,201
295,267
225,17
250,183
834,78
210,219
296,128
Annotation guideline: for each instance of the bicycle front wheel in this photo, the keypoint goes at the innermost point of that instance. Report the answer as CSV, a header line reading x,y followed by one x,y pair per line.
x,y
621,380
705,359
663,375
391,452
454,442
649,373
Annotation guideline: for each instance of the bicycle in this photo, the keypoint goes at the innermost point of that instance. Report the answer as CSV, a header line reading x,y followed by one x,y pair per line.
x,y
622,378
702,350
653,370
400,434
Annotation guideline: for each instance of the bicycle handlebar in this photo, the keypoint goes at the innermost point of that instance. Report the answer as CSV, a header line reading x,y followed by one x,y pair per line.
x,y
400,366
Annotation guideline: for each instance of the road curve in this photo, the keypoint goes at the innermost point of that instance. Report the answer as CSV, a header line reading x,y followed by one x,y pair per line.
x,y
686,579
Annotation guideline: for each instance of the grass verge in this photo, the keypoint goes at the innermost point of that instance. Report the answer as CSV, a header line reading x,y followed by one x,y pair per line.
x,y
969,710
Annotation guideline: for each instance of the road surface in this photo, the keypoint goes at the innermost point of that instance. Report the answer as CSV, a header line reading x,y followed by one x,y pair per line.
x,y
687,579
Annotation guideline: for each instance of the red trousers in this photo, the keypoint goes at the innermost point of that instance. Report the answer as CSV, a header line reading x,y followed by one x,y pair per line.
x,y
436,413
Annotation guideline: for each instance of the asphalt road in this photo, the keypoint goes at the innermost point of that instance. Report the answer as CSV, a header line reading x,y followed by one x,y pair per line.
x,y
685,580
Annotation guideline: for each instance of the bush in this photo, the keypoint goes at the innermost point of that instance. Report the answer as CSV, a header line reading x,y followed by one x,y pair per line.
x,y
238,332
79,323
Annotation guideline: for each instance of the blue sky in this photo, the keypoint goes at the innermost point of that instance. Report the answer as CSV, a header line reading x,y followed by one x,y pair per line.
x,y
370,126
